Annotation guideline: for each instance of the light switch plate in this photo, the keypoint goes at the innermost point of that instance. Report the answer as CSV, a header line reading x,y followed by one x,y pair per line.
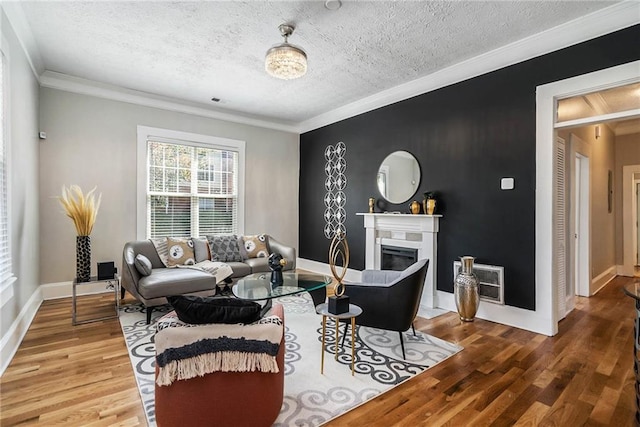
x,y
506,184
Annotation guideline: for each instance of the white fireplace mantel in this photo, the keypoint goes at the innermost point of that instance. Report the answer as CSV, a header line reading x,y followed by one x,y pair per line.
x,y
404,231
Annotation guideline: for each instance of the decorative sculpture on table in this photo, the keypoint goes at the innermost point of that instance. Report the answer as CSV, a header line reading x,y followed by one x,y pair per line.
x,y
82,209
339,251
276,262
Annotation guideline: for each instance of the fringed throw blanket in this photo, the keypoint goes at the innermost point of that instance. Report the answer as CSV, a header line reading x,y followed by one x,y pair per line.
x,y
187,352
219,270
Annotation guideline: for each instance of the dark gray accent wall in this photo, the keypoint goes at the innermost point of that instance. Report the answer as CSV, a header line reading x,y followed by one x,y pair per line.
x,y
466,137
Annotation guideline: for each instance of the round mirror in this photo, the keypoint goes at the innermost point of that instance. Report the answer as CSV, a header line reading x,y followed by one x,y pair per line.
x,y
398,177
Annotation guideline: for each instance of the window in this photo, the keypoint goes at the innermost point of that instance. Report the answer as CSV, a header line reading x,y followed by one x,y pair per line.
x,y
192,184
6,273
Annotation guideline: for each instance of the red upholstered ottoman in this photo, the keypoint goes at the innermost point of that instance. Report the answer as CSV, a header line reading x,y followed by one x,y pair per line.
x,y
223,398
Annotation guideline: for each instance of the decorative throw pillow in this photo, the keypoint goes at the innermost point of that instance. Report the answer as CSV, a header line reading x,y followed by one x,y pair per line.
x,y
256,246
142,264
201,249
243,251
200,310
180,252
225,248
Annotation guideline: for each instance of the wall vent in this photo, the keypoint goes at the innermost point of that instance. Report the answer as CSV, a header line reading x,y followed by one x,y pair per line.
x,y
491,278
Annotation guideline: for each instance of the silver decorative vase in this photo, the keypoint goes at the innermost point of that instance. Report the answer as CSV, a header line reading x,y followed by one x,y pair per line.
x,y
465,290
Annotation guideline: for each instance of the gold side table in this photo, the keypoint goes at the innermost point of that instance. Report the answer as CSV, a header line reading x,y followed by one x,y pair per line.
x,y
354,311
111,283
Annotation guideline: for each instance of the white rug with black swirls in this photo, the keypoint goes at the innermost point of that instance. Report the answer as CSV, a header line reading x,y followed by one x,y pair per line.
x,y
310,399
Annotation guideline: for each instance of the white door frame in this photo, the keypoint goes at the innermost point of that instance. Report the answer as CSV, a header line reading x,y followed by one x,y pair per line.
x,y
629,217
580,209
546,109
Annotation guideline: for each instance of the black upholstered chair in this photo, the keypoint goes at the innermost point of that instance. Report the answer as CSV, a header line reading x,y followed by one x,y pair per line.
x,y
389,299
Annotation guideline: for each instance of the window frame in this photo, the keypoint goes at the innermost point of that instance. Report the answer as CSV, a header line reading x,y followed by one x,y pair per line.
x,y
189,139
6,286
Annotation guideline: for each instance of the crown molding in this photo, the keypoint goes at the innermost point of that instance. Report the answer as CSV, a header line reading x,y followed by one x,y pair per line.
x,y
613,18
616,17
82,86
17,19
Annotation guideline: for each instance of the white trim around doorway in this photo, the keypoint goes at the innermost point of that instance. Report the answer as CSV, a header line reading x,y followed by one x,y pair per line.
x,y
546,102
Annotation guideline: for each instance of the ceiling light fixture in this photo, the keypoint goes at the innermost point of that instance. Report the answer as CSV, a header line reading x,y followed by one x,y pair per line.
x,y
286,61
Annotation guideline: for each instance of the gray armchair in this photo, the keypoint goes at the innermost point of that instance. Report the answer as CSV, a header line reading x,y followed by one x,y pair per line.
x,y
389,299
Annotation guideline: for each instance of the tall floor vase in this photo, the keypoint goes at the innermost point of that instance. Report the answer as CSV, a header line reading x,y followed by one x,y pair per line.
x,y
83,258
465,290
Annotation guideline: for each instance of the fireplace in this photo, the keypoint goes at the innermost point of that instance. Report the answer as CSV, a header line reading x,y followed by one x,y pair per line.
x,y
415,233
397,258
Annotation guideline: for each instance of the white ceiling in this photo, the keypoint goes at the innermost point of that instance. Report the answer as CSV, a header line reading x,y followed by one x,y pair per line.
x,y
194,51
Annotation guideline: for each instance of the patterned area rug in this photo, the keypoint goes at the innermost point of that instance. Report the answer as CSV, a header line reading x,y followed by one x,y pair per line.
x,y
311,399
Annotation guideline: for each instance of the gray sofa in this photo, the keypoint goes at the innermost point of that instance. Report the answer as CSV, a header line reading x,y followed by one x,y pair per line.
x,y
153,289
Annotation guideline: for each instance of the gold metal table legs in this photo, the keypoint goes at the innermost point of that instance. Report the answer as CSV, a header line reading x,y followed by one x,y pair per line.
x,y
324,328
353,347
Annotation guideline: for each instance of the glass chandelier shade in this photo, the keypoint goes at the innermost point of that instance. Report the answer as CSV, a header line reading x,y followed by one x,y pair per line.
x,y
286,61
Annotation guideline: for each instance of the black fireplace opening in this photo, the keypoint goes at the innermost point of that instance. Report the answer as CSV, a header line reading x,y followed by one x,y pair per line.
x,y
396,258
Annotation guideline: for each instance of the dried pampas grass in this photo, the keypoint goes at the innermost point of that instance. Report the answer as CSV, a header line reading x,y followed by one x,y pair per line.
x,y
81,208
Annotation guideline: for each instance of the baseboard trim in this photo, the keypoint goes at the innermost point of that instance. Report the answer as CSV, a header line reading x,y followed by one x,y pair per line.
x,y
11,340
602,279
511,316
65,289
322,268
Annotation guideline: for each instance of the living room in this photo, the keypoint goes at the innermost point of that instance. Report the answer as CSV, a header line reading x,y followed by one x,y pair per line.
x,y
467,131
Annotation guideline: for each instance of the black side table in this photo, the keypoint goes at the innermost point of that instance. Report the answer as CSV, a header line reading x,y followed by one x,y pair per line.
x,y
633,290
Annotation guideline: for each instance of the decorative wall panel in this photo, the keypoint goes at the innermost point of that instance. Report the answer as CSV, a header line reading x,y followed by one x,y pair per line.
x,y
335,183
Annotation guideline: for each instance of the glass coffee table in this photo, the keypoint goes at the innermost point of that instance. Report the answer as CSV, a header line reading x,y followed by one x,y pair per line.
x,y
258,286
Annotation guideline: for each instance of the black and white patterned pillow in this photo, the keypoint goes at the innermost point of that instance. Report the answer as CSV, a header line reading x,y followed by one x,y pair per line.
x,y
225,248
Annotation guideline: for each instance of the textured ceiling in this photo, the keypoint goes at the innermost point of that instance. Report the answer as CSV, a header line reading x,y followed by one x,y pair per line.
x,y
198,50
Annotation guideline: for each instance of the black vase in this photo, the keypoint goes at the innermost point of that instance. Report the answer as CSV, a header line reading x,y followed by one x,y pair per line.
x,y
83,258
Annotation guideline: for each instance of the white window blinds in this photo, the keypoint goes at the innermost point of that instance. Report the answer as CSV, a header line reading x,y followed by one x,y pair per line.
x,y
5,249
192,190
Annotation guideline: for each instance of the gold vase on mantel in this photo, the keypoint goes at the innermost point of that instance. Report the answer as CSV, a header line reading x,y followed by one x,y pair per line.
x,y
414,207
429,203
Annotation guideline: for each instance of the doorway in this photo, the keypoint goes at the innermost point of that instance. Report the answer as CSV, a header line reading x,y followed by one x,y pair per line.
x,y
581,223
547,96
572,220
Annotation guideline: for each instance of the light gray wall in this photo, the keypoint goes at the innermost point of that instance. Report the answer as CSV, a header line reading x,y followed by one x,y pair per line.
x,y
627,154
603,248
23,163
92,141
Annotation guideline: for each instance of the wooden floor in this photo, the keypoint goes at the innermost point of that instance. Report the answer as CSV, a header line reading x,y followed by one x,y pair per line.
x,y
64,375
